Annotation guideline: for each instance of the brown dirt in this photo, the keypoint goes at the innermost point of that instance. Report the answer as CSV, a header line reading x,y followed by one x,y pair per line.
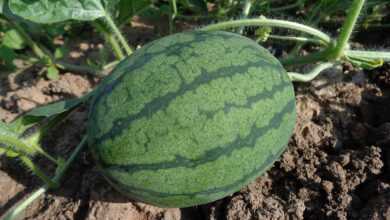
x,y
336,165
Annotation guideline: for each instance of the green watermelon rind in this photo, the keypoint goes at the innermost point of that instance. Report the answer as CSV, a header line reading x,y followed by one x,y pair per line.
x,y
143,181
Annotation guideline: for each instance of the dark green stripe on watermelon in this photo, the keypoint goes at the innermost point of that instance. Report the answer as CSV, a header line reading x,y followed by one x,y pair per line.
x,y
191,118
189,199
216,152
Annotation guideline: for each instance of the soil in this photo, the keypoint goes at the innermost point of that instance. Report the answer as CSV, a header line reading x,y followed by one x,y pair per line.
x,y
336,166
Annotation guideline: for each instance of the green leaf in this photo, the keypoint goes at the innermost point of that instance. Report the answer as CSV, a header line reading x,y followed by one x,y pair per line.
x,y
52,11
53,73
12,154
55,108
5,130
13,40
7,56
129,8
60,52
29,119
111,5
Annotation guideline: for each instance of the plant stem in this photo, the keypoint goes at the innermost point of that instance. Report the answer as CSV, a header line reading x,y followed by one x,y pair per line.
x,y
77,68
116,48
311,58
369,54
270,23
17,210
245,12
118,34
173,15
297,77
297,39
17,146
38,51
26,161
347,28
64,168
110,38
110,65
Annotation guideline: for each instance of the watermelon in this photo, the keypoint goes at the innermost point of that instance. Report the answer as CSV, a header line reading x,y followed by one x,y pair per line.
x,y
191,118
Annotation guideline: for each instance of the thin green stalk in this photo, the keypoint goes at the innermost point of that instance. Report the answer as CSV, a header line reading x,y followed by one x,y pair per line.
x,y
17,210
18,146
245,12
110,38
311,58
77,68
385,56
313,19
34,168
42,53
347,28
298,77
38,51
270,23
60,173
173,5
118,34
116,48
297,39
24,148
110,65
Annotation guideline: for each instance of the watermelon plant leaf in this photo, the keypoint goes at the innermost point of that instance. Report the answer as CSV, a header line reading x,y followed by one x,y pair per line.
x,y
13,40
54,108
7,56
44,11
26,121
60,52
128,8
111,5
53,73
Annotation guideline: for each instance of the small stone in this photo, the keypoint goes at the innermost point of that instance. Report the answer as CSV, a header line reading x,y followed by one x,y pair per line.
x,y
327,186
344,159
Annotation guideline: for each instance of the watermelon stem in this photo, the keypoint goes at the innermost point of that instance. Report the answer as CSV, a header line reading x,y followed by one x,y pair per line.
x,y
298,77
270,23
174,13
245,12
347,28
17,210
118,33
311,58
384,55
110,38
296,39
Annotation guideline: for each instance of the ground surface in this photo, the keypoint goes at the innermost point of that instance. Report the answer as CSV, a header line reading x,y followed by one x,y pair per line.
x,y
336,166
